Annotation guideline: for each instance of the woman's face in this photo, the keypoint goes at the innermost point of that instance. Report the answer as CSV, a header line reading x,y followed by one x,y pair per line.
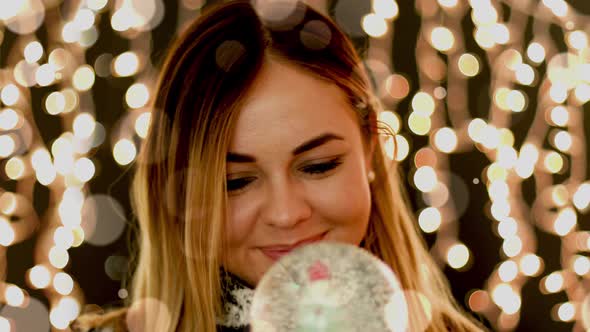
x,y
296,170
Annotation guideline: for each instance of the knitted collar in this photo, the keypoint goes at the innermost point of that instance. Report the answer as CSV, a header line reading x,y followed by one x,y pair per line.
x,y
237,300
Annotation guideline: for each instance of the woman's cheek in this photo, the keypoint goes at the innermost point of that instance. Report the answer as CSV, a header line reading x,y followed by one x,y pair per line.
x,y
241,223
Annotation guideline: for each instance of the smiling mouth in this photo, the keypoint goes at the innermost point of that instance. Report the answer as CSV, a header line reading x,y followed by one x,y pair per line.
x,y
276,252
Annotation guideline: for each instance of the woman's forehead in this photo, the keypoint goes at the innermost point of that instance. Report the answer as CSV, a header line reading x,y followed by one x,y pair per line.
x,y
290,105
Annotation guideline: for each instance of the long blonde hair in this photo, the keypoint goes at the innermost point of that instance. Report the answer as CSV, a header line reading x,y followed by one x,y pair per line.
x,y
178,191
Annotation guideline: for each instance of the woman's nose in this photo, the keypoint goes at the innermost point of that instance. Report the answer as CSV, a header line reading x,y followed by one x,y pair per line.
x,y
286,204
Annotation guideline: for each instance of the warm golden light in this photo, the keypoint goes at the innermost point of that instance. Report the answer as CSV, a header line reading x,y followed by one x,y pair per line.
x,y
506,157
445,140
501,98
516,101
581,197
506,298
39,276
496,172
468,65
581,265
577,39
9,94
423,104
391,120
45,75
124,152
582,92
83,78
84,125
96,5
58,257
142,124
397,86
6,232
126,64
429,220
565,222
553,162
9,119
15,168
7,145
508,271
33,51
530,265
501,33
55,103
63,283
7,203
458,256
566,312
5,325
476,128
374,25
425,178
419,124
558,7
559,116
558,92
387,9
63,237
535,52
442,39
553,283
14,296
507,228
512,246
84,169
563,140
525,74
137,95
447,3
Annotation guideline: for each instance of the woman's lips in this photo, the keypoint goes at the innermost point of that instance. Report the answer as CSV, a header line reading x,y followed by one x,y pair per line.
x,y
276,252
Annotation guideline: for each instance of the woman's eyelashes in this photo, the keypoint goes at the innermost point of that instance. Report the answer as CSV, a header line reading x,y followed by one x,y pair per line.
x,y
234,185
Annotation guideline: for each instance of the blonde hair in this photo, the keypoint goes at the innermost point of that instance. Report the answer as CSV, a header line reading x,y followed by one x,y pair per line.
x,y
178,191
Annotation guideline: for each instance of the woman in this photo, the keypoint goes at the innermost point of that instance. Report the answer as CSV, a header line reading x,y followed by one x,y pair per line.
x,y
264,137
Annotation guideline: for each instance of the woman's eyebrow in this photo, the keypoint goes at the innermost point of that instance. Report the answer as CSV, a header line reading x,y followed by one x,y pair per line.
x,y
233,157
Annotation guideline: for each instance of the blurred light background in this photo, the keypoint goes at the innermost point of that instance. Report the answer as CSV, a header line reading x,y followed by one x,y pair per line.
x,y
487,99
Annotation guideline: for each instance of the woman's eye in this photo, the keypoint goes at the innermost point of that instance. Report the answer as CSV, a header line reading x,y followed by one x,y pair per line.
x,y
322,167
234,185
237,184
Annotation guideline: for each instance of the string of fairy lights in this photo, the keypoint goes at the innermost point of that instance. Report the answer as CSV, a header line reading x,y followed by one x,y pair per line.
x,y
531,76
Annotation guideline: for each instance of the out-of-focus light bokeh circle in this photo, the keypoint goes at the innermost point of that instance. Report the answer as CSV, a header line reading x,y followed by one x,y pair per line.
x,y
468,65
14,296
103,219
442,39
6,232
387,9
124,152
142,124
137,95
530,265
429,219
458,256
9,94
63,283
39,276
126,64
425,178
374,25
32,317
